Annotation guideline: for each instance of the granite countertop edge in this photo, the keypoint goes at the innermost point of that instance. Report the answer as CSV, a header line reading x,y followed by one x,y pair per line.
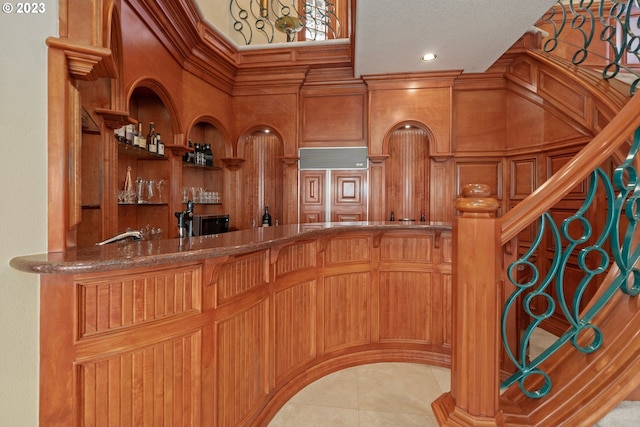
x,y
148,253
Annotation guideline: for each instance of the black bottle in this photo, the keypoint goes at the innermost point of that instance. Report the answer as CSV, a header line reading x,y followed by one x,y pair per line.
x,y
393,216
208,155
266,218
422,218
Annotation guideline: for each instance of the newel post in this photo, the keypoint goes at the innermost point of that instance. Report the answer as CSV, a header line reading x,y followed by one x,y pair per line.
x,y
475,357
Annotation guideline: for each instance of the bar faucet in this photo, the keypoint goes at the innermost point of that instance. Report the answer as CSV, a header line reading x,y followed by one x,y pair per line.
x,y
185,221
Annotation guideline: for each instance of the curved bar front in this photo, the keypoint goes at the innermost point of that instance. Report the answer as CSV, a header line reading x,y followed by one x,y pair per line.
x,y
223,330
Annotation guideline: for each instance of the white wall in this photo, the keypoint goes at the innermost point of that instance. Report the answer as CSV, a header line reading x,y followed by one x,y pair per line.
x,y
23,207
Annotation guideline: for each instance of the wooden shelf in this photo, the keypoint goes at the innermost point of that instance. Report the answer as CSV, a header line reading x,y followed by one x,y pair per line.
x,y
143,204
140,153
193,165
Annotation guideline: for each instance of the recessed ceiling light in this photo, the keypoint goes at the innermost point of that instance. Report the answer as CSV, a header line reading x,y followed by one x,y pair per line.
x,y
429,57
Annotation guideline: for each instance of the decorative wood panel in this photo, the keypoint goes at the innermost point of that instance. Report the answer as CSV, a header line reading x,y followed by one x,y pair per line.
x,y
157,385
405,248
571,98
558,159
294,327
441,195
345,112
241,275
242,364
407,173
347,310
405,306
130,300
445,248
348,250
523,177
482,171
296,257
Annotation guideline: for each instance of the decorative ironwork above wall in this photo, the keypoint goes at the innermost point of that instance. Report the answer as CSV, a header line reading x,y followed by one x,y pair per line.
x,y
295,19
616,23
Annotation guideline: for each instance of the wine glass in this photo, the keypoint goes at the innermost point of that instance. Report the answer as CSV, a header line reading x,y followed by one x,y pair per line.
x,y
159,186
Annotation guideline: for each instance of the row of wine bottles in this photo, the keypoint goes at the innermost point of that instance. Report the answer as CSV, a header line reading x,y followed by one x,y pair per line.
x,y
132,135
199,154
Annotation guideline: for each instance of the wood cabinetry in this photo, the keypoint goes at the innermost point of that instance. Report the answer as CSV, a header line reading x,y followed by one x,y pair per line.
x,y
226,341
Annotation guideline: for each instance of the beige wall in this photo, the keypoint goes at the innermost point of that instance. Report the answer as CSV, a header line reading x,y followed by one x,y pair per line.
x,y
23,208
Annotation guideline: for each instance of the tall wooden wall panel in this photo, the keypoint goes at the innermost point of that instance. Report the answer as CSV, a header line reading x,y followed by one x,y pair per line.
x,y
242,344
347,310
441,190
295,329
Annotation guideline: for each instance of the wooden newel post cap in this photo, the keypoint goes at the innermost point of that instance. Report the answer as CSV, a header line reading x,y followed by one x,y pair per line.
x,y
475,201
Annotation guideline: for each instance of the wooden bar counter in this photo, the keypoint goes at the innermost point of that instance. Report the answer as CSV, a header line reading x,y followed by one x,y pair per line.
x,y
222,330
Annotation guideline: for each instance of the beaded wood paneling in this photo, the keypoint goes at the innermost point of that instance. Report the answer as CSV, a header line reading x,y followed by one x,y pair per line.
x,y
261,179
447,307
294,326
347,310
348,250
241,275
407,173
242,383
157,385
130,300
405,306
407,248
296,257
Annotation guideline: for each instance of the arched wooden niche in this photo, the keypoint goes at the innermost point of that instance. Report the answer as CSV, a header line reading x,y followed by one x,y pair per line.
x,y
262,176
407,172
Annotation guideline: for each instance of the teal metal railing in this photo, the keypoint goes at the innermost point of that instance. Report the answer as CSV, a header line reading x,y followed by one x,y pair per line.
x,y
615,23
614,241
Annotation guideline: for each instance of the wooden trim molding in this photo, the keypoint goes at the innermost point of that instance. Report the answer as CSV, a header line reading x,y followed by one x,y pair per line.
x,y
85,62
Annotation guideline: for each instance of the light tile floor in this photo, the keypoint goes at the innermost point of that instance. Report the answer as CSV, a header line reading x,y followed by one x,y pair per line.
x,y
393,395
375,395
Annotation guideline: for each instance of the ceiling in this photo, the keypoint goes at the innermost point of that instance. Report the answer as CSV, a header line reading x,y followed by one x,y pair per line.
x,y
468,35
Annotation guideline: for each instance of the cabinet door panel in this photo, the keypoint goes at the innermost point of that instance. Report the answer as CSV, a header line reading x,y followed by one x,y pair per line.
x,y
349,195
312,199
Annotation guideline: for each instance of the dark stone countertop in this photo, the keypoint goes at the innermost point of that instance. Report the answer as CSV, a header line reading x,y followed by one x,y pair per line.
x,y
145,253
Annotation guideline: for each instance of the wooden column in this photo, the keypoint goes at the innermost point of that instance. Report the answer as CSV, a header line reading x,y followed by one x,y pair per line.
x,y
474,395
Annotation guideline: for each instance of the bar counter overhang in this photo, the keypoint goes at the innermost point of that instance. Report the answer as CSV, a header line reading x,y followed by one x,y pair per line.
x,y
148,253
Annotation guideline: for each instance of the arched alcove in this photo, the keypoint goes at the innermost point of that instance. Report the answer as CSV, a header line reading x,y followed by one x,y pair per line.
x,y
407,172
262,178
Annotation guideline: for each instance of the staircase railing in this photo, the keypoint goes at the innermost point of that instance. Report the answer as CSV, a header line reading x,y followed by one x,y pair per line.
x,y
480,240
608,30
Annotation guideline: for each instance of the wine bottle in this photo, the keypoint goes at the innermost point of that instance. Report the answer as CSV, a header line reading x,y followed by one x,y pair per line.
x,y
266,218
152,139
197,153
129,134
160,145
208,155
142,140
